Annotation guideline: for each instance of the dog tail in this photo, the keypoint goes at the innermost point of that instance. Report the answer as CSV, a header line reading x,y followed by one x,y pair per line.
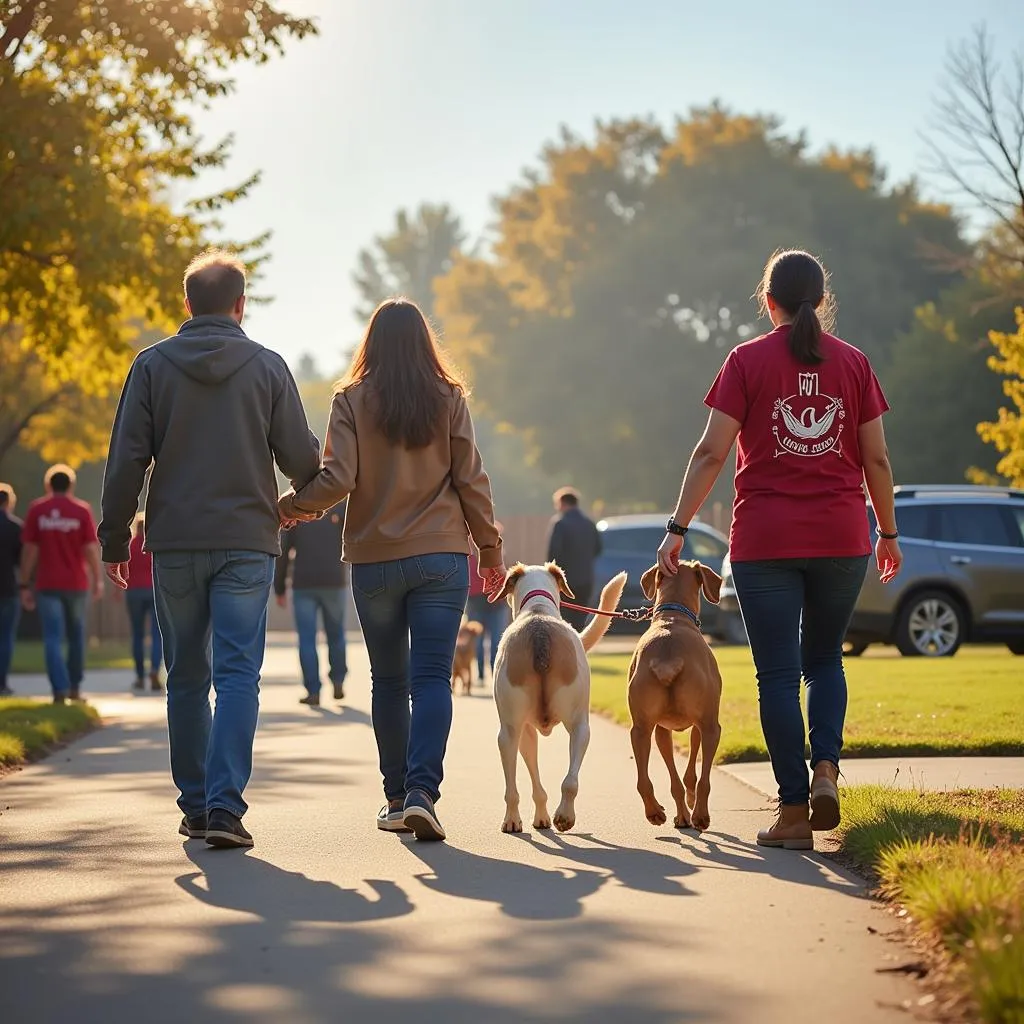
x,y
598,625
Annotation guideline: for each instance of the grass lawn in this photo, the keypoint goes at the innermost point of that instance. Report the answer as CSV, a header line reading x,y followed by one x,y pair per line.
x,y
28,655
972,703
29,728
955,862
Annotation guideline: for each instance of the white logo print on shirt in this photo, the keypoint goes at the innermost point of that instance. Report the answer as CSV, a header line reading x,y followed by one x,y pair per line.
x,y
811,423
56,522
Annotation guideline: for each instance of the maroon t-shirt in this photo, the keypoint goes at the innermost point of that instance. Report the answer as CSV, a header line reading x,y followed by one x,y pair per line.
x,y
799,473
140,565
62,527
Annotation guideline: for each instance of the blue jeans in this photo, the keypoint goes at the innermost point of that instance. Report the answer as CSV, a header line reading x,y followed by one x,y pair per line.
x,y
62,616
330,603
10,613
494,619
141,604
212,610
796,611
410,610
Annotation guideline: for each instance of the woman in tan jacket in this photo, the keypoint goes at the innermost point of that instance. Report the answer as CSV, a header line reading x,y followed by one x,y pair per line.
x,y
400,446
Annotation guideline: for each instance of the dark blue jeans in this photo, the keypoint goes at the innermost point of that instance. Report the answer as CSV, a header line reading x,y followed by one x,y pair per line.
x,y
410,610
142,605
62,616
10,612
329,602
494,619
796,611
212,609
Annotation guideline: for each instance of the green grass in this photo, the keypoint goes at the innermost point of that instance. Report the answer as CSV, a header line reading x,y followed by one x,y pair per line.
x,y
30,728
955,861
28,655
972,703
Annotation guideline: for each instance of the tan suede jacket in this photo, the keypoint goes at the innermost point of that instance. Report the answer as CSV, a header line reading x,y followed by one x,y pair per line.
x,y
402,502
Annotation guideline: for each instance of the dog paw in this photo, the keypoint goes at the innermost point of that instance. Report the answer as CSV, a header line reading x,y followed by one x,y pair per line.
x,y
657,815
701,819
542,822
512,825
682,821
564,822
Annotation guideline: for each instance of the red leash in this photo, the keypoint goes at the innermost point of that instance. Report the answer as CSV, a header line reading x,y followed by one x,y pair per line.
x,y
630,614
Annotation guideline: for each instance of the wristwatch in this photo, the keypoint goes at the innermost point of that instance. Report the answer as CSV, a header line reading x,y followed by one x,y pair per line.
x,y
886,536
673,527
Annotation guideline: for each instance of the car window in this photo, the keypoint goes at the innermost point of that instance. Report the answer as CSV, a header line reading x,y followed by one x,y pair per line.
x,y
1017,514
633,540
914,521
703,546
976,524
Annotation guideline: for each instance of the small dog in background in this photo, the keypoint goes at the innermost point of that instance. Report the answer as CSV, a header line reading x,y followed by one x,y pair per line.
x,y
465,654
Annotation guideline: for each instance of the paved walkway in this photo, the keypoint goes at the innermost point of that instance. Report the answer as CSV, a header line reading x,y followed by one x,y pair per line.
x,y
107,916
938,773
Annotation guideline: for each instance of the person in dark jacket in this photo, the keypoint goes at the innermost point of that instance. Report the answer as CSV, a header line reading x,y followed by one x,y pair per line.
x,y
211,412
574,543
311,552
10,558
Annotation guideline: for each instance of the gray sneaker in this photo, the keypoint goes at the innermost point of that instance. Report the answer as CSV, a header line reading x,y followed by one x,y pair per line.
x,y
391,817
421,817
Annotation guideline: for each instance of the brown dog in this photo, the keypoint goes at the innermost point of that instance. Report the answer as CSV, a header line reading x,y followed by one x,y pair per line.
x,y
674,684
465,654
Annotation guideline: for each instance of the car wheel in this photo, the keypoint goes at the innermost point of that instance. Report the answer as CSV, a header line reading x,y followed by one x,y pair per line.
x,y
1016,646
854,650
932,624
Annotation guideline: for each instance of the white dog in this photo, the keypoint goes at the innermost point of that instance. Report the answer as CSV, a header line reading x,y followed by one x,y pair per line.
x,y
541,678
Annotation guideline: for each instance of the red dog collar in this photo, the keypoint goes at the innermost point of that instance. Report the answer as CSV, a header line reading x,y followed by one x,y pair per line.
x,y
539,593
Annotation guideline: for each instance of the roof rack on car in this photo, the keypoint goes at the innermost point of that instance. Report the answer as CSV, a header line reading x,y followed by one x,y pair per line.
x,y
910,490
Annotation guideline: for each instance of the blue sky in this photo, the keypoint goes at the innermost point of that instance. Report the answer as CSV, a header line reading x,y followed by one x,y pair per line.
x,y
400,101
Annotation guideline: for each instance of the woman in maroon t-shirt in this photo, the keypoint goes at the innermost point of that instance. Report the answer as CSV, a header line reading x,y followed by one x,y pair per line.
x,y
141,604
807,411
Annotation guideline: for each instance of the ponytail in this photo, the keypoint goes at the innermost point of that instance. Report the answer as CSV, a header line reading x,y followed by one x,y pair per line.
x,y
805,335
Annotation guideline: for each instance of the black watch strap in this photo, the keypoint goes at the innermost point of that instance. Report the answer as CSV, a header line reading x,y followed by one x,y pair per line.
x,y
673,527
886,536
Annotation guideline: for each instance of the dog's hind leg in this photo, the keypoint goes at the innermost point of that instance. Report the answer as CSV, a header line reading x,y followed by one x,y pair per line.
x,y
710,734
528,748
690,775
640,737
508,745
579,740
663,737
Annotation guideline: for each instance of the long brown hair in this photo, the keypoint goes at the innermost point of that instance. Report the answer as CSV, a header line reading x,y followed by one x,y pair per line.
x,y
798,284
406,371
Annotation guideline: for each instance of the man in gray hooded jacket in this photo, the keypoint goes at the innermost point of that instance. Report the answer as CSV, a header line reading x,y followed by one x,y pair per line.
x,y
211,412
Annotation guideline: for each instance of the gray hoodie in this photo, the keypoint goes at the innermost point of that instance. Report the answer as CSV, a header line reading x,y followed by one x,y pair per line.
x,y
212,411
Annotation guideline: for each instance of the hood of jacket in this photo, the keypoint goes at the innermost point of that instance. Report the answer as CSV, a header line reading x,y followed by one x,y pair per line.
x,y
209,349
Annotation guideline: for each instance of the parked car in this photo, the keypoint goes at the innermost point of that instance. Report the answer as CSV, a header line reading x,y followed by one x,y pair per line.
x,y
630,543
962,578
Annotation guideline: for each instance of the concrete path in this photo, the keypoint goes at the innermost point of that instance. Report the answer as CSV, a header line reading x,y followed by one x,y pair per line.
x,y
107,916
936,773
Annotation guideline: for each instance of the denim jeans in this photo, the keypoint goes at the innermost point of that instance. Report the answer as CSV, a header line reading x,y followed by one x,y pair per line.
x,y
10,613
330,603
141,604
62,617
494,618
796,611
212,610
410,610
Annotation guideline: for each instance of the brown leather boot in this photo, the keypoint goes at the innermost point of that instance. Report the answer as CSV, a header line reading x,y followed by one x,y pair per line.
x,y
825,797
791,830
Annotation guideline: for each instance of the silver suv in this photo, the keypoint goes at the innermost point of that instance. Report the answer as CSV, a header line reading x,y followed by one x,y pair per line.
x,y
962,578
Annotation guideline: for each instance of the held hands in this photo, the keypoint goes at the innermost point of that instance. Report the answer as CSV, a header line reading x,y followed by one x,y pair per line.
x,y
888,558
290,515
668,554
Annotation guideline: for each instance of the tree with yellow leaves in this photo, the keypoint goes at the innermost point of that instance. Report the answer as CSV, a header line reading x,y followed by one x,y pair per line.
x,y
1007,432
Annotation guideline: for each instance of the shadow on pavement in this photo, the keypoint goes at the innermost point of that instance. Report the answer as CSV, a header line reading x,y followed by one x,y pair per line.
x,y
519,890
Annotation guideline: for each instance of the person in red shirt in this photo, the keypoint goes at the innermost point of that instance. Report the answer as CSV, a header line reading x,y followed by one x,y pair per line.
x,y
807,410
141,604
59,547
